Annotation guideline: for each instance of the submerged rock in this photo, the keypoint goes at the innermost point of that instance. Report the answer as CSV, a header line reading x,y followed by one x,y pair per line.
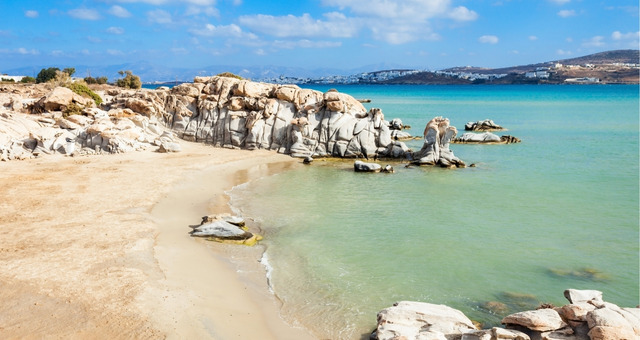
x,y
360,166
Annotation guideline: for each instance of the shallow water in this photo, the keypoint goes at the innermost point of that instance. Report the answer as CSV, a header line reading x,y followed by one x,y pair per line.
x,y
557,211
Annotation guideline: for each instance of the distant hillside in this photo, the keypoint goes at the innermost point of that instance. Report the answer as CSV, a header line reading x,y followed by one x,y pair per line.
x,y
608,57
607,67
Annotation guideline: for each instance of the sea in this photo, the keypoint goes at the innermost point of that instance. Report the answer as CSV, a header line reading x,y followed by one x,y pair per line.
x,y
559,210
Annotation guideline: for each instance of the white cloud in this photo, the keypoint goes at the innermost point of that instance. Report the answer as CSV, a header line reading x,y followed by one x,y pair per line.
x,y
85,52
25,51
208,11
617,35
180,50
336,25
399,22
166,2
159,16
533,38
119,11
304,43
597,41
488,39
57,53
115,30
226,31
563,52
462,13
565,13
560,2
94,39
406,9
31,14
114,52
403,33
84,14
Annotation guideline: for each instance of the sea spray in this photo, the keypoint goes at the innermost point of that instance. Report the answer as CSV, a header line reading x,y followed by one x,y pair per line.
x,y
264,260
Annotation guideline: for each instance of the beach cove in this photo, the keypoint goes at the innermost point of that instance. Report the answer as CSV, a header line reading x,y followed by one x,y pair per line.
x,y
508,234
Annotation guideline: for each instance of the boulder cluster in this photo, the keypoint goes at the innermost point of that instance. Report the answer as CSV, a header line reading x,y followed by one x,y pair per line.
x,y
222,111
586,317
233,113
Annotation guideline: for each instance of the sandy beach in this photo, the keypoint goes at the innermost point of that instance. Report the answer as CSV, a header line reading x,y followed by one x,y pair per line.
x,y
98,247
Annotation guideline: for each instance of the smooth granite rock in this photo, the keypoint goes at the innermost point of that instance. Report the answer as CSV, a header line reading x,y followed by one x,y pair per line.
x,y
419,320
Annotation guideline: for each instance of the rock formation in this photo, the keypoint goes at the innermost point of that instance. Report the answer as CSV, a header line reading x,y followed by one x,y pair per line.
x,y
484,138
225,228
435,150
222,111
483,125
586,317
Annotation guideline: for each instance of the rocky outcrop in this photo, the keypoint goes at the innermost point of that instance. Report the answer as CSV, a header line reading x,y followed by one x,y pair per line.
x,y
225,228
483,125
232,113
225,112
435,150
484,138
587,317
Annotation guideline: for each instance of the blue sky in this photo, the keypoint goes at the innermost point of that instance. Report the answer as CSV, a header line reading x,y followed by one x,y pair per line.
x,y
344,34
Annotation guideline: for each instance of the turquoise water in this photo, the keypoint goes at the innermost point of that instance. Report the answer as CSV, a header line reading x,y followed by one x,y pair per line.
x,y
557,211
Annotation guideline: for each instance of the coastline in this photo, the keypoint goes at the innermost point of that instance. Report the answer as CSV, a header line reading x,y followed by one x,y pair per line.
x,y
86,252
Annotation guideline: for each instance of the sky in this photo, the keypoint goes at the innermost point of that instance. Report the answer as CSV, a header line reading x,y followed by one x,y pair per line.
x,y
341,34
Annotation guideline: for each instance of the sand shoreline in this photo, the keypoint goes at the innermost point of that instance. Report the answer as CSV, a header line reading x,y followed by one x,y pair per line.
x,y
98,247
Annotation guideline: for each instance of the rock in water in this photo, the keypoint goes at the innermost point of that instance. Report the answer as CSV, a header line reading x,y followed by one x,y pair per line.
x,y
483,125
221,229
435,150
419,320
360,166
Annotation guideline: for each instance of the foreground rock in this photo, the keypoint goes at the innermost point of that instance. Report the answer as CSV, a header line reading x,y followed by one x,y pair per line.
x,y
483,125
587,317
435,150
419,320
225,228
484,138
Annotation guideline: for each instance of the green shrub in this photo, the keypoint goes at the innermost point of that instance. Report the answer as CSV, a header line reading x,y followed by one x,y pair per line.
x,y
72,109
7,80
99,80
229,75
28,79
83,90
130,81
70,71
46,74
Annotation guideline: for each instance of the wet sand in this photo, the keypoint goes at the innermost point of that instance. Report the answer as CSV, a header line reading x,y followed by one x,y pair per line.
x,y
98,247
